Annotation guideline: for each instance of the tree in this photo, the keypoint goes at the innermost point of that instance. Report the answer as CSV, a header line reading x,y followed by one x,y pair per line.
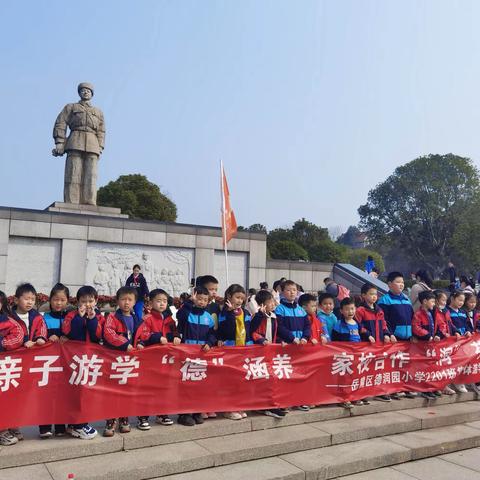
x,y
288,250
420,206
328,251
255,228
138,198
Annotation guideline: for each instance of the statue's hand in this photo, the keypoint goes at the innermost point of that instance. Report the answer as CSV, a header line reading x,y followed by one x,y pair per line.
x,y
58,151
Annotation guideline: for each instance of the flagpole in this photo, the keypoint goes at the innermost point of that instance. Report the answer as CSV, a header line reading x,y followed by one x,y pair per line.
x,y
224,229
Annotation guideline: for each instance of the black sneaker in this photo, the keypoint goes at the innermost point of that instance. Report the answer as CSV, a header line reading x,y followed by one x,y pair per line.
x,y
384,398
366,401
186,419
437,393
395,396
410,395
198,418
275,413
428,395
60,430
143,423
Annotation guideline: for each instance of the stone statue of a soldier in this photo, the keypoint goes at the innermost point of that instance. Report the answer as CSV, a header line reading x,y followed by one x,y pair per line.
x,y
83,146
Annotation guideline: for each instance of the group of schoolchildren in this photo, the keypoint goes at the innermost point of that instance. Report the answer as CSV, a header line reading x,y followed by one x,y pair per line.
x,y
293,318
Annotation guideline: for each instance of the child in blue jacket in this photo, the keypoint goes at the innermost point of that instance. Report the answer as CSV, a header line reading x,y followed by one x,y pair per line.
x,y
293,324
197,327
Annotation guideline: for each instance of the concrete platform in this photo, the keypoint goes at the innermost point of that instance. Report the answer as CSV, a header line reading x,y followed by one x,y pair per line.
x,y
63,207
220,448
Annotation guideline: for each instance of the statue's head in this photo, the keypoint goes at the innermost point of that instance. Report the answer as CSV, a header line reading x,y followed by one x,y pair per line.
x,y
85,90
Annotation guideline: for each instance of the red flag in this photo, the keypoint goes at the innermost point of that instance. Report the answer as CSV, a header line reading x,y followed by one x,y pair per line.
x,y
229,223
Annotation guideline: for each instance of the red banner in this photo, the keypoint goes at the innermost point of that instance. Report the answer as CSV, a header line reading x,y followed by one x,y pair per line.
x,y
77,382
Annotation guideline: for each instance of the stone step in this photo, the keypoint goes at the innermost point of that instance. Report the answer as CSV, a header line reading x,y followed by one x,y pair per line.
x,y
349,426
324,449
461,465
349,458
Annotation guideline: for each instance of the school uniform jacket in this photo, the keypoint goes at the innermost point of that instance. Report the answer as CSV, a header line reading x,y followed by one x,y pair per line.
x,y
344,332
230,325
424,327
83,329
196,325
443,322
116,333
372,323
36,326
157,325
11,333
461,321
258,328
292,321
398,312
53,321
318,328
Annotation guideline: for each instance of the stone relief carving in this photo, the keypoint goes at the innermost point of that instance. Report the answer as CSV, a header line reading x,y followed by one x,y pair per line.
x,y
109,265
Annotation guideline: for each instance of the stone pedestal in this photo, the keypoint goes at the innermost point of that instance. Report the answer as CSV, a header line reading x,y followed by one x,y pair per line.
x,y
86,209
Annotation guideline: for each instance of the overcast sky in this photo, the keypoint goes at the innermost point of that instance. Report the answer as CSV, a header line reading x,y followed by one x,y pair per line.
x,y
310,104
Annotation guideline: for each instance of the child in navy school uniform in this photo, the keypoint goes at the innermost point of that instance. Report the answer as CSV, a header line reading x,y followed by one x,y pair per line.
x,y
347,330
54,319
122,331
84,324
234,327
197,327
293,323
461,322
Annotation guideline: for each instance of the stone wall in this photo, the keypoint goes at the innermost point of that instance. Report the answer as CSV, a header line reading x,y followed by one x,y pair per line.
x,y
309,275
45,247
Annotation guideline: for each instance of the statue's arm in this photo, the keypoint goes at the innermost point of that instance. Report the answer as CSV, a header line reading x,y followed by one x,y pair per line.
x,y
60,130
101,131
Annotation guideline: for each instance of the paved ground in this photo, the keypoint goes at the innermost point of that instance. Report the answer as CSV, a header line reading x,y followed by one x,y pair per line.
x,y
464,465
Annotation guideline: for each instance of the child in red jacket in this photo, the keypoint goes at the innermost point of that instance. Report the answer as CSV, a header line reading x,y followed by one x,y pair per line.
x,y
11,338
122,331
319,332
32,323
158,328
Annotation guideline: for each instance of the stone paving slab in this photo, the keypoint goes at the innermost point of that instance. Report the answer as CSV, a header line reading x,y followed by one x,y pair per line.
x,y
264,443
387,473
362,427
136,464
161,435
31,451
33,472
438,469
348,458
264,469
438,416
295,417
468,458
431,442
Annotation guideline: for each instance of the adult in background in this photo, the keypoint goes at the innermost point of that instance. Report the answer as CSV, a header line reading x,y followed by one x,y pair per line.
x,y
137,281
423,283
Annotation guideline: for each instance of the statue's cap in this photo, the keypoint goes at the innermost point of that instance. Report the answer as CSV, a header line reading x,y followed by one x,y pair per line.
x,y
85,85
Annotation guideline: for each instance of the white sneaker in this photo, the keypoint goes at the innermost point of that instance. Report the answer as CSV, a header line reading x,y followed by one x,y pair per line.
x,y
85,433
233,415
448,391
461,388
